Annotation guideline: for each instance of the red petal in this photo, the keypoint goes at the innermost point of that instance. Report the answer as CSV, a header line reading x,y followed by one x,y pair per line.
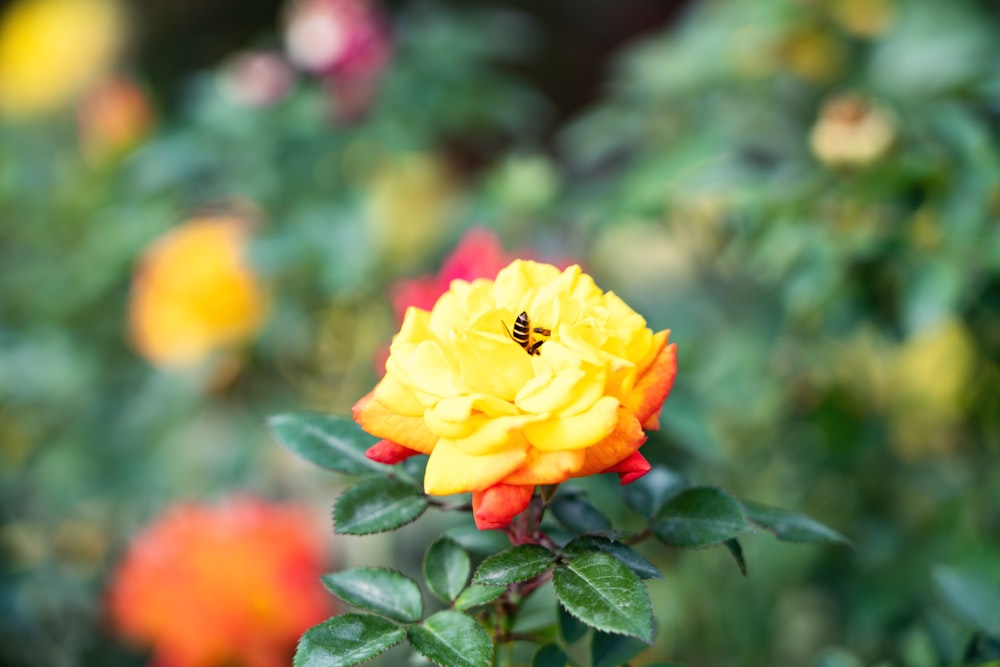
x,y
388,452
497,505
631,468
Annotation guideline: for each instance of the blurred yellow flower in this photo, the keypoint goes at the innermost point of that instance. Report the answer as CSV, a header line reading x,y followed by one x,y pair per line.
x,y
865,18
52,50
814,54
410,206
194,294
852,132
931,376
533,378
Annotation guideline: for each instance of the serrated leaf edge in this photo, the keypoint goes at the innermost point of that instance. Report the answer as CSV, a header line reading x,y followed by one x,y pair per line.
x,y
750,526
424,626
501,590
372,611
475,574
839,539
659,575
648,641
402,636
652,618
276,420
427,579
374,532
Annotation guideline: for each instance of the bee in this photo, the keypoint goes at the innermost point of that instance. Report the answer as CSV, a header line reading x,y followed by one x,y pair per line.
x,y
522,333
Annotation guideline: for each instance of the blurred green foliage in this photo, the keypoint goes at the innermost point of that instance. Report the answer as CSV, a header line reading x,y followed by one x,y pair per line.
x,y
839,327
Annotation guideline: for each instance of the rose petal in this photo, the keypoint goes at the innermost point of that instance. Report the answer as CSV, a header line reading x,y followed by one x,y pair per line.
x,y
631,468
578,431
624,441
388,452
548,467
450,470
653,386
380,421
496,506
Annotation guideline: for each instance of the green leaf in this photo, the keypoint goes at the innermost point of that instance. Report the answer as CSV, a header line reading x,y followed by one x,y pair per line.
x,y
649,493
578,515
549,655
481,542
736,549
331,442
515,564
633,559
700,517
452,639
791,527
600,591
613,650
345,640
446,568
475,595
976,599
569,627
376,505
380,590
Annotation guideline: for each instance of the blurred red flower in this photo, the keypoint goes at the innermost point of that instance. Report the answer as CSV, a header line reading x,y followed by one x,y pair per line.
x,y
233,584
479,254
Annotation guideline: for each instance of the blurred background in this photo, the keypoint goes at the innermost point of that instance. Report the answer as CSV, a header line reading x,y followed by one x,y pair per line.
x,y
215,210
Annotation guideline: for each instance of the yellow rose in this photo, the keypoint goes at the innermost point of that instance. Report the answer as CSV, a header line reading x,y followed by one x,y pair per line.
x,y
498,415
52,50
195,294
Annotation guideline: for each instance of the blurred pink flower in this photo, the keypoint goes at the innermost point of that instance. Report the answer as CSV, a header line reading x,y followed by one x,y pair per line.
x,y
340,38
256,78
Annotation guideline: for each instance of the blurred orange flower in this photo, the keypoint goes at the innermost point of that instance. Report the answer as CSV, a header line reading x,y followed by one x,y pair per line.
x,y
529,379
195,295
235,584
113,118
52,50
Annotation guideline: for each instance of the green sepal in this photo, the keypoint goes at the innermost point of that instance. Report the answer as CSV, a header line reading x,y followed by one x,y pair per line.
x,y
376,505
